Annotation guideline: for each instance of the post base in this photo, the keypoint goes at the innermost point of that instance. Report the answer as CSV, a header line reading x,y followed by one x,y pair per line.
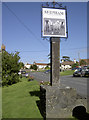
x,y
60,101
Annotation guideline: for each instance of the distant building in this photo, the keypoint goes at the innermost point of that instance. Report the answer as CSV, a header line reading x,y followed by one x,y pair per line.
x,y
27,65
86,60
39,65
75,61
67,64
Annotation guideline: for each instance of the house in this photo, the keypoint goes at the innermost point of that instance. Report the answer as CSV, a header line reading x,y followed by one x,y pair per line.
x,y
67,64
86,60
41,65
27,65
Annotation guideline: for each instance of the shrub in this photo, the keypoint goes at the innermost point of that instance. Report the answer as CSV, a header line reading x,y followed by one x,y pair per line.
x,y
47,67
75,65
10,68
34,67
44,83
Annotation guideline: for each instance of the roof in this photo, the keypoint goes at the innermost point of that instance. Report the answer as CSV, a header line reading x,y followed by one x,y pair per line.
x,y
86,60
38,64
41,64
28,64
68,63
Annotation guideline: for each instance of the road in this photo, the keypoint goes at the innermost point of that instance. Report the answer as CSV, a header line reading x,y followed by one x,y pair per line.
x,y
79,83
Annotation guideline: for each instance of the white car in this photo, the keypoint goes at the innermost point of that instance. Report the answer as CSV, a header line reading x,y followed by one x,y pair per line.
x,y
19,72
26,75
23,73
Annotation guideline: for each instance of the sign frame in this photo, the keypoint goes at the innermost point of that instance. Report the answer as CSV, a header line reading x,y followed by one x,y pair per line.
x,y
65,20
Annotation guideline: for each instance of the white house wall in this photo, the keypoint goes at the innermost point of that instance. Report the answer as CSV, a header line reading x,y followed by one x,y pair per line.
x,y
27,66
41,66
65,66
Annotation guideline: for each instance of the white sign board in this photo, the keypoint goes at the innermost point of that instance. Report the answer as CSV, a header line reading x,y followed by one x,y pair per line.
x,y
54,22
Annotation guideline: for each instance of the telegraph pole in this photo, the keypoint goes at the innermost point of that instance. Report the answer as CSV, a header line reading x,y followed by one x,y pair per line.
x,y
79,57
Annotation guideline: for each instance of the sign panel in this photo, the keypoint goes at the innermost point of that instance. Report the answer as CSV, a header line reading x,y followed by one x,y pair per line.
x,y
54,22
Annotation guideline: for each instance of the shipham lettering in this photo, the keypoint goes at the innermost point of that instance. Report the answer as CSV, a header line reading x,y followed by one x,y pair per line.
x,y
54,12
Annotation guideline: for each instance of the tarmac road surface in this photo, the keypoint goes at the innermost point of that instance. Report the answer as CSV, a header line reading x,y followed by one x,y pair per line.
x,y
79,83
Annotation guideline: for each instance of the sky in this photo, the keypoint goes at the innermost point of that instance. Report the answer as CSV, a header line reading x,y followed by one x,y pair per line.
x,y
21,31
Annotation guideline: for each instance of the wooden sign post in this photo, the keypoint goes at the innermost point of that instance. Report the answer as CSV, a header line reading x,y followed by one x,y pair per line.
x,y
55,60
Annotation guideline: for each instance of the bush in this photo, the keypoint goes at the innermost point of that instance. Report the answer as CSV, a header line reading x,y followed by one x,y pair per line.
x,y
47,67
34,67
20,76
10,68
82,62
75,65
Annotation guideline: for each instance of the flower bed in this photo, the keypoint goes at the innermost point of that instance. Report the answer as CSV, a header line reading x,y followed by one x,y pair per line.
x,y
44,83
30,78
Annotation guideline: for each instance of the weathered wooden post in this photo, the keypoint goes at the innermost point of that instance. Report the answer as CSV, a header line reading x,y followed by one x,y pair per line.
x,y
55,60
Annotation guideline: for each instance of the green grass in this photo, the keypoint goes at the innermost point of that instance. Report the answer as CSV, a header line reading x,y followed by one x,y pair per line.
x,y
68,72
17,101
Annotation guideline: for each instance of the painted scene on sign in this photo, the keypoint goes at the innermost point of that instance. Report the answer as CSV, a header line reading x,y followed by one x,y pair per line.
x,y
54,26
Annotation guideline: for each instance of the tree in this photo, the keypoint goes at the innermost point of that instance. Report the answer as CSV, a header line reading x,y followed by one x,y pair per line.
x,y
75,65
0,67
10,68
47,67
31,67
34,67
65,58
82,62
49,56
21,64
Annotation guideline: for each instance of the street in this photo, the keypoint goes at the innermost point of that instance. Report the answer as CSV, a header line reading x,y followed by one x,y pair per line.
x,y
79,83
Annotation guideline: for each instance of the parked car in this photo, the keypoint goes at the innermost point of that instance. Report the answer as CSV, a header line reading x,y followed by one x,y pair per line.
x,y
75,68
47,71
85,72
26,75
77,72
81,72
23,73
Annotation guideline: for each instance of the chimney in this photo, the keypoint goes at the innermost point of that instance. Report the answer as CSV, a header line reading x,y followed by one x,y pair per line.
x,y
74,61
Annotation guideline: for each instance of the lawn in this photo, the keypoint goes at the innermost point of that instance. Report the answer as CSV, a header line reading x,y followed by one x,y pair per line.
x,y
67,72
19,100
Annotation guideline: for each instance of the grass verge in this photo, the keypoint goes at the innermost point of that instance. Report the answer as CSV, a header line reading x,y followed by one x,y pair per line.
x,y
17,102
67,72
